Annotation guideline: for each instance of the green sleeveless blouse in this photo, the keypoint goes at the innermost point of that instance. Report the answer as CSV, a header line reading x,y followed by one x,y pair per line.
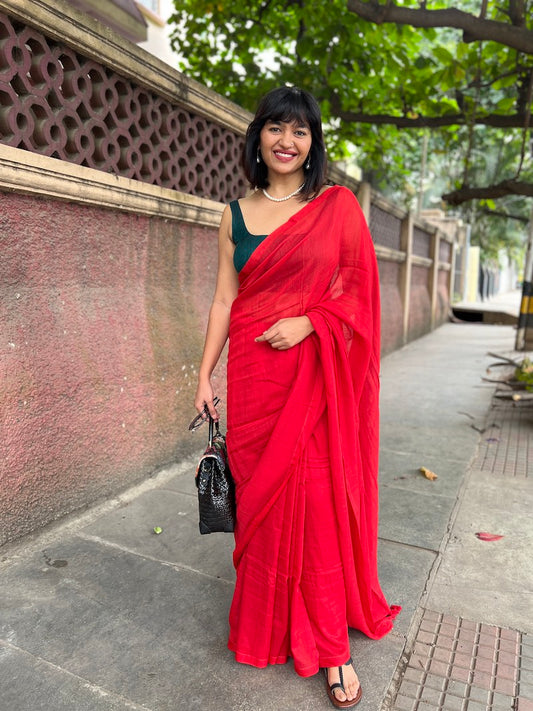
x,y
245,242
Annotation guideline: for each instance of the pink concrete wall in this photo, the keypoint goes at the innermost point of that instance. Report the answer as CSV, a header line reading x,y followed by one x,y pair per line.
x,y
419,303
391,306
443,298
102,316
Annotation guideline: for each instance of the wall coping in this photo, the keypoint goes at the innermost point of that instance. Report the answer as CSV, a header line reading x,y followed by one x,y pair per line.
x,y
388,254
382,202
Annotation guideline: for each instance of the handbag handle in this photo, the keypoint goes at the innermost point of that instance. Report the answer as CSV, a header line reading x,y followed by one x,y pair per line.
x,y
210,441
211,433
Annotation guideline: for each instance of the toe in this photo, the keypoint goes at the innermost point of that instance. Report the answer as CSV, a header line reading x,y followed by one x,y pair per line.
x,y
334,678
351,691
339,695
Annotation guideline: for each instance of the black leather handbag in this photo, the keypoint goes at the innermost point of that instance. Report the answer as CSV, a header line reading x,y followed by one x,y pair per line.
x,y
216,490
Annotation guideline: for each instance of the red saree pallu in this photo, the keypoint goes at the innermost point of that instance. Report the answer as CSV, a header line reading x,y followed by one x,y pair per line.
x,y
303,437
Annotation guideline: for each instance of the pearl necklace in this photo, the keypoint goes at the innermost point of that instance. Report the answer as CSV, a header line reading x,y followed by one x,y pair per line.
x,y
282,199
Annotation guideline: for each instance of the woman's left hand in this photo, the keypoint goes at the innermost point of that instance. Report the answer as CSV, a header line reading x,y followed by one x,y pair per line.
x,y
287,332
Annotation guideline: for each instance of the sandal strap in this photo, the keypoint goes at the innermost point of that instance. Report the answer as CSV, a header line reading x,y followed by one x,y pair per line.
x,y
332,687
340,685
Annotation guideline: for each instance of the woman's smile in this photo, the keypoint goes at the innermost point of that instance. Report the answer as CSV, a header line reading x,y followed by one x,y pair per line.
x,y
284,156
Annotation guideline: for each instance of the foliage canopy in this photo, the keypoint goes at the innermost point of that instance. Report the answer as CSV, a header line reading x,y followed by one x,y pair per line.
x,y
379,67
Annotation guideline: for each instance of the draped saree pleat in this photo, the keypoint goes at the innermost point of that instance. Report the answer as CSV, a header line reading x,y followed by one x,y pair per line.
x,y
303,442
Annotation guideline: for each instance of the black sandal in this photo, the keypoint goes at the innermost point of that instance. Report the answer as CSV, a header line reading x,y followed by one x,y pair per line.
x,y
331,688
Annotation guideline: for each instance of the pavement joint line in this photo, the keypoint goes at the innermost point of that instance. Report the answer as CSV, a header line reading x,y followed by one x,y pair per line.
x,y
177,566
13,551
94,688
429,494
434,495
410,454
192,495
403,544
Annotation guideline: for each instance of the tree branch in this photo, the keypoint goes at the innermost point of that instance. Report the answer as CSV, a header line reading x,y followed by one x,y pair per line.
x,y
505,215
494,120
506,187
474,28
517,12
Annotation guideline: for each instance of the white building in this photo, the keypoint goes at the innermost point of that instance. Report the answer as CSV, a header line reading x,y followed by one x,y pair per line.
x,y
157,13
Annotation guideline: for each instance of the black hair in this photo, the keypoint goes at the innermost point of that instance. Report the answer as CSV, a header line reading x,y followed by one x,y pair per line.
x,y
287,104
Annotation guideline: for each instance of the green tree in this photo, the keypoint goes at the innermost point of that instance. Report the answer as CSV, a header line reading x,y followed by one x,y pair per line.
x,y
379,68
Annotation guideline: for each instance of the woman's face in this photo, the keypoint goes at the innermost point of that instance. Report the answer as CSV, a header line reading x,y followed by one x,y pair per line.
x,y
285,146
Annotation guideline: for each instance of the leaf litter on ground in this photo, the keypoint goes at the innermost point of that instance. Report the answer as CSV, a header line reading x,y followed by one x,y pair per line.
x,y
428,473
485,536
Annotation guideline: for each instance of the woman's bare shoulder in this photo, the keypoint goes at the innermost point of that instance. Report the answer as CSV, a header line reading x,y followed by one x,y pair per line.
x,y
225,222
250,198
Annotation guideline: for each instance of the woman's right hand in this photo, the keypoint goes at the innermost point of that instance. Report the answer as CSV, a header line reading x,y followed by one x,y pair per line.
x,y
205,396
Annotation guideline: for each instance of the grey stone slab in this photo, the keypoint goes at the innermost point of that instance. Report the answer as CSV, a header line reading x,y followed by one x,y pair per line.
x,y
414,518
451,703
427,383
155,635
131,527
480,695
494,579
402,470
142,630
441,406
403,572
31,684
456,343
445,445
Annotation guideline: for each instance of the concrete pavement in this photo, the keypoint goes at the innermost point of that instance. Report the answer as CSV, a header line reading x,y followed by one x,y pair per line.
x,y
499,309
99,613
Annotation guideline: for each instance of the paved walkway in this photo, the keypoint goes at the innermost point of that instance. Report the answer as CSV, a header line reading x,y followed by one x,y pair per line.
x,y
506,303
499,309
99,613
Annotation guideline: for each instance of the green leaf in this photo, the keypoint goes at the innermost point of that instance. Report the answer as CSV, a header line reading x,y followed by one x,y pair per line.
x,y
505,82
505,105
444,55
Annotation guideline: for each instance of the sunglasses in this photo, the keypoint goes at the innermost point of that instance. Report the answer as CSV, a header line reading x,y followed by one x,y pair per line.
x,y
202,417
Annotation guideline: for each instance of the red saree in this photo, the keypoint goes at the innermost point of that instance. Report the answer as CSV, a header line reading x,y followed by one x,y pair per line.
x,y
303,442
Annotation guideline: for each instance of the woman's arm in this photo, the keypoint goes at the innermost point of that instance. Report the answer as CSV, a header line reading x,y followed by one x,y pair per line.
x,y
218,324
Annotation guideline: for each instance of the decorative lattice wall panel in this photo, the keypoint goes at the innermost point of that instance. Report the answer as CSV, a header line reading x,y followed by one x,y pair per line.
x,y
58,103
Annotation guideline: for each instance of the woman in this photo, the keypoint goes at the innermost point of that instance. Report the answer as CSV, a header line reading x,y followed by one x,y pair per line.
x,y
297,293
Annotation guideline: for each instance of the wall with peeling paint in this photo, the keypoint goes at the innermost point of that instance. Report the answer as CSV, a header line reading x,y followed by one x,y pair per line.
x,y
102,315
